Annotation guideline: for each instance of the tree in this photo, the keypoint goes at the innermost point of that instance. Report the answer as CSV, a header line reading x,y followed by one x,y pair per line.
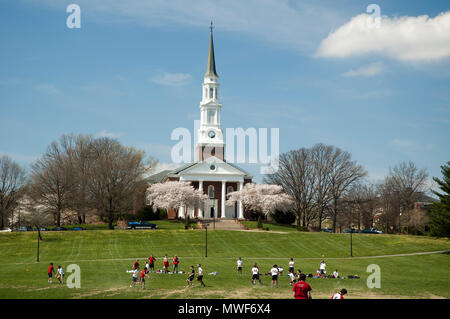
x,y
261,198
12,182
440,212
343,174
176,194
52,179
115,174
297,177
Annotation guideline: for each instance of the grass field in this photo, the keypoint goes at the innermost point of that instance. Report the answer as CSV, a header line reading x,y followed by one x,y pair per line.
x,y
105,255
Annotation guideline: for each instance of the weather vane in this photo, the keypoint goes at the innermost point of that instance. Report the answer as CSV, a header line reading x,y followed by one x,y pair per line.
x,y
211,27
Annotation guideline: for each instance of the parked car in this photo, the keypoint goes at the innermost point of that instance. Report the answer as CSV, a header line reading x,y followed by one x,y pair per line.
x,y
24,228
43,229
78,228
348,230
327,230
371,231
5,230
59,229
141,225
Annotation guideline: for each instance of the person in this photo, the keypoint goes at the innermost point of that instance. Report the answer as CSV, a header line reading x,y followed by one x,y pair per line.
x,y
291,265
136,264
134,278
318,274
340,294
191,277
166,264
299,272
142,277
336,274
175,262
322,267
302,290
147,267
60,275
255,274
50,272
291,277
151,261
239,266
274,272
200,275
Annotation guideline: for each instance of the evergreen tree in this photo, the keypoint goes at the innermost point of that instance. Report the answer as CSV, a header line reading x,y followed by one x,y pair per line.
x,y
440,213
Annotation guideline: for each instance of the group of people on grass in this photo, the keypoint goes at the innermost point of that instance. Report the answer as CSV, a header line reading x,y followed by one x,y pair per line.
x,y
59,274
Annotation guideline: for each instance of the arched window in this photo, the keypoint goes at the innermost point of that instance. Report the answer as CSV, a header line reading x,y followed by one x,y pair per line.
x,y
211,90
211,191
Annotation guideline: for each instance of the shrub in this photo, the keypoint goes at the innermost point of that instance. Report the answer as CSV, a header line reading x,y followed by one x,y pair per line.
x,y
283,218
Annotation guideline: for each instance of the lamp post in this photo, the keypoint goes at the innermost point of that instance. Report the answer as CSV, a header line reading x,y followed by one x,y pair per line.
x,y
39,237
206,240
351,242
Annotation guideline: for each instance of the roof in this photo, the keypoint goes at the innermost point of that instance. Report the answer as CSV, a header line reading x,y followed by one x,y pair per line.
x,y
211,65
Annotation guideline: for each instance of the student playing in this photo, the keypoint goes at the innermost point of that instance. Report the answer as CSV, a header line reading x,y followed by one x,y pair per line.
x,y
134,278
147,267
302,290
50,272
340,294
152,260
200,275
322,267
291,277
239,266
191,277
291,265
136,264
60,275
142,277
255,274
274,272
299,272
175,262
166,264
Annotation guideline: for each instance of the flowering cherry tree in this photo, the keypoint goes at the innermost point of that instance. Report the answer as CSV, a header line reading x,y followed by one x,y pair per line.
x,y
174,194
262,198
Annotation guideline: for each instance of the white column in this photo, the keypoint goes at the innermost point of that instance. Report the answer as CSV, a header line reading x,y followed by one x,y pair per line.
x,y
181,212
240,206
200,209
223,198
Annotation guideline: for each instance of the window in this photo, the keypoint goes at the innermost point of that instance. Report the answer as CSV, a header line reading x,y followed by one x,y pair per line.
x,y
211,90
211,116
211,191
229,190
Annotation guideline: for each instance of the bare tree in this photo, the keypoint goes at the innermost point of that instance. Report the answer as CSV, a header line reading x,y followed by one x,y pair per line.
x,y
12,181
114,177
343,174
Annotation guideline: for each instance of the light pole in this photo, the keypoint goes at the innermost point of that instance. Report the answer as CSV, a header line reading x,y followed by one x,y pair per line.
x,y
351,242
206,240
39,237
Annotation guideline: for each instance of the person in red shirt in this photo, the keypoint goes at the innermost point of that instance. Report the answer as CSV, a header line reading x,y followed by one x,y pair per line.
x,y
152,260
136,264
175,261
340,294
50,272
302,290
165,264
142,278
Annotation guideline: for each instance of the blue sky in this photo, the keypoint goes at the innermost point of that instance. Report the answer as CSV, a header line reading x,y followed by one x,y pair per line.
x,y
134,71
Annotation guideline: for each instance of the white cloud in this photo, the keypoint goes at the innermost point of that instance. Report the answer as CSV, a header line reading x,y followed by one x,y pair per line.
x,y
47,88
109,134
405,38
367,70
20,158
410,145
172,79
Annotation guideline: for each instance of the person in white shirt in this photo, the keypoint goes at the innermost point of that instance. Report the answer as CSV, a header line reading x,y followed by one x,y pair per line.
x,y
239,266
291,265
60,275
274,272
135,277
255,275
322,267
336,274
200,275
291,277
340,294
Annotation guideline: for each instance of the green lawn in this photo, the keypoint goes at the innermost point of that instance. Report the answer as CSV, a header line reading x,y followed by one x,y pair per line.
x,y
105,255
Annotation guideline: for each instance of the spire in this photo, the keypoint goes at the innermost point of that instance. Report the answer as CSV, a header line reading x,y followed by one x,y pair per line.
x,y
211,66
